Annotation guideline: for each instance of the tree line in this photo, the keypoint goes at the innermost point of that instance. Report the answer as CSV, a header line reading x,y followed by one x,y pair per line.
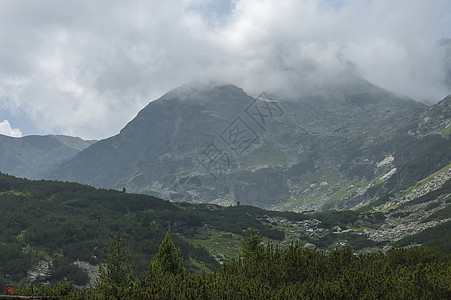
x,y
265,271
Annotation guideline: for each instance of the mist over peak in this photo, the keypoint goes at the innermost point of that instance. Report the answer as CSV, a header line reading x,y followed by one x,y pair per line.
x,y
86,69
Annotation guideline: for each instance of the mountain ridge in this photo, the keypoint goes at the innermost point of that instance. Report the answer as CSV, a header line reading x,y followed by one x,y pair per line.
x,y
31,156
162,150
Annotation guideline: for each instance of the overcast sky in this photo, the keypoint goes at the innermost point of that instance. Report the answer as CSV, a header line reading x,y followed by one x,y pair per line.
x,y
85,67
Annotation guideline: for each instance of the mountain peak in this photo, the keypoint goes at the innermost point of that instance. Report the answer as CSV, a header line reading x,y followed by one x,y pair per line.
x,y
203,92
215,143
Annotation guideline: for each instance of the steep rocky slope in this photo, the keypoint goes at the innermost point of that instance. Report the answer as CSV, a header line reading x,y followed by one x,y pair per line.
x,y
415,209
398,161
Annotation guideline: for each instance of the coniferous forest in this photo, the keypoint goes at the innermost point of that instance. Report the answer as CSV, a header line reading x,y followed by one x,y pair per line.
x,y
265,271
69,222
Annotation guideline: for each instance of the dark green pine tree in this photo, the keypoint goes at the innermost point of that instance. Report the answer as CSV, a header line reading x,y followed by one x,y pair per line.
x,y
117,276
168,258
165,275
253,247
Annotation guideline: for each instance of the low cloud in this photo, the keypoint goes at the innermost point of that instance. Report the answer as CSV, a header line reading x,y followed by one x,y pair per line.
x,y
85,68
5,129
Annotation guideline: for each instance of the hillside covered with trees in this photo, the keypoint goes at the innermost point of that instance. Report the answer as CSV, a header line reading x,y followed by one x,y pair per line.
x,y
269,272
47,227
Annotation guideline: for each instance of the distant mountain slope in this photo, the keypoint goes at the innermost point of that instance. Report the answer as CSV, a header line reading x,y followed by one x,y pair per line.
x,y
395,162
31,156
217,144
445,45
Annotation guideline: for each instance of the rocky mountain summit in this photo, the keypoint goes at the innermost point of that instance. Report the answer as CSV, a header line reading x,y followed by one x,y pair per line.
x,y
217,144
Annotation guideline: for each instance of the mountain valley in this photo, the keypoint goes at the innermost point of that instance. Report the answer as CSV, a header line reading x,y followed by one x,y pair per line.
x,y
353,167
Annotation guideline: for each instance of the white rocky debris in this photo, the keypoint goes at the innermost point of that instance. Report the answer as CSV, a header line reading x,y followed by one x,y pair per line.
x,y
388,175
428,186
91,270
402,230
387,160
40,272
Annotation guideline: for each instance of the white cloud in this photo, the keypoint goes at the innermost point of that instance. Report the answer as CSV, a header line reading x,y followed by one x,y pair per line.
x,y
85,67
5,129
